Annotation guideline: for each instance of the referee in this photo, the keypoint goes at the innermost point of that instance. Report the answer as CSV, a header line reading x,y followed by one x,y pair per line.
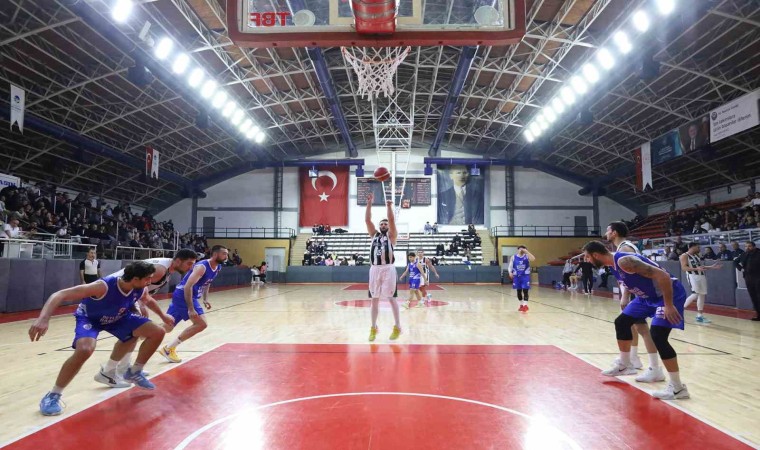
x,y
89,268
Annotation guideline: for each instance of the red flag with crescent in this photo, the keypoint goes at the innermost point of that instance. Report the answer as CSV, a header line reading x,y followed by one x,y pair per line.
x,y
324,199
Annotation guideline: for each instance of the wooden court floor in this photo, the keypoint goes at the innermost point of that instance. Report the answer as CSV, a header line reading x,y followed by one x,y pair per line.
x,y
474,346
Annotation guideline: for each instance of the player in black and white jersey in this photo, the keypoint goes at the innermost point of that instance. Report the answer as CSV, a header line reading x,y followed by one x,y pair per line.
x,y
111,374
694,267
382,272
617,232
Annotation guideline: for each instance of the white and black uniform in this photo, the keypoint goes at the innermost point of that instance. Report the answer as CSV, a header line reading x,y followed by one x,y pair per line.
x,y
697,278
629,244
90,269
154,286
382,272
425,279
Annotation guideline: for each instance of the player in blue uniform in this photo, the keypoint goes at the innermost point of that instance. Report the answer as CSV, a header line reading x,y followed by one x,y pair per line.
x,y
657,295
519,269
186,299
106,306
416,271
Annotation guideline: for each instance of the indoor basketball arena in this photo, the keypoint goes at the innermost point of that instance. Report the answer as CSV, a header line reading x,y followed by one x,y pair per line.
x,y
379,224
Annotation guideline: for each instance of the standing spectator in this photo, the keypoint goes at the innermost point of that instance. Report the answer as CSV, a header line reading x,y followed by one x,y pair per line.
x,y
587,276
89,267
566,272
11,230
749,264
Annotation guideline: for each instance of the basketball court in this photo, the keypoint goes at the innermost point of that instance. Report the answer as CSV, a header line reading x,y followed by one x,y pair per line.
x,y
286,367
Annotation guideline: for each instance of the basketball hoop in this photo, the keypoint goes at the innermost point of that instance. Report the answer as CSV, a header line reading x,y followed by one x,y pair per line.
x,y
375,67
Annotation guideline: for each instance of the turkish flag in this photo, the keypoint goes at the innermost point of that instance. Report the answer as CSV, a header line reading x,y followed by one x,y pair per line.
x,y
324,200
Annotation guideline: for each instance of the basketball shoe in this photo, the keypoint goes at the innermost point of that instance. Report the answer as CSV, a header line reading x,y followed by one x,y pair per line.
x,y
670,393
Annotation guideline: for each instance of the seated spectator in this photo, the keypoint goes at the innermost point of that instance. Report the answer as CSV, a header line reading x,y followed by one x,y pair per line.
x,y
471,230
315,229
344,261
351,262
439,249
723,253
435,228
457,239
709,254
263,272
434,260
329,261
236,259
428,229
328,229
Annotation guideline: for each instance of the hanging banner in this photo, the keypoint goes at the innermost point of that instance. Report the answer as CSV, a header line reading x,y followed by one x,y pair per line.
x,y
643,158
151,162
324,198
695,135
18,102
666,147
735,117
9,180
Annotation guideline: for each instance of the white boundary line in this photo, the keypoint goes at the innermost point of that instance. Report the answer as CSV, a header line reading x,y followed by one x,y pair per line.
x,y
105,396
565,439
673,404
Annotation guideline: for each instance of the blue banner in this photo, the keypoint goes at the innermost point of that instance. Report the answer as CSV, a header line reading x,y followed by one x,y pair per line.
x,y
666,147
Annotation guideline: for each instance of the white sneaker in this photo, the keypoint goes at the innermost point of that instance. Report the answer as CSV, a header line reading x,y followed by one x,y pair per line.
x,y
635,362
669,393
651,375
617,370
111,379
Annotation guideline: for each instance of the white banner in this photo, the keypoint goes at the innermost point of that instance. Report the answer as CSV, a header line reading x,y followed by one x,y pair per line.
x,y
8,180
735,117
18,101
646,166
154,167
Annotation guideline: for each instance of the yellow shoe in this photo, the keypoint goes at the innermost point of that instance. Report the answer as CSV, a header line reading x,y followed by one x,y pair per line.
x,y
395,334
372,333
170,354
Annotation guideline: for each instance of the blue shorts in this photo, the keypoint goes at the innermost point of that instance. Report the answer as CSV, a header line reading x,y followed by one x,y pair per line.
x,y
521,282
414,283
121,329
641,309
181,313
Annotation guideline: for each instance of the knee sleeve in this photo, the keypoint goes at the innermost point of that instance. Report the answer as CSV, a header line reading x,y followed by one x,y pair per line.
x,y
660,338
519,294
623,325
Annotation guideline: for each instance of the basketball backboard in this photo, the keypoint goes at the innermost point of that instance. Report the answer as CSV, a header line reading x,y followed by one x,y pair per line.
x,y
331,23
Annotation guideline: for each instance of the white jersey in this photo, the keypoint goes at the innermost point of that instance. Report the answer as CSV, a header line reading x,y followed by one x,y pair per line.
x,y
629,244
154,287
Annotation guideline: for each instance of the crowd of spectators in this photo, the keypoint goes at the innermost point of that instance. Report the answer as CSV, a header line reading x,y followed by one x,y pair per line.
x,y
706,219
679,247
460,244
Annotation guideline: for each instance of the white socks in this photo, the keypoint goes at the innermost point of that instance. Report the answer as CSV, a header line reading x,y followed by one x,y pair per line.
x,y
634,351
654,360
175,343
110,365
625,358
57,390
137,367
675,380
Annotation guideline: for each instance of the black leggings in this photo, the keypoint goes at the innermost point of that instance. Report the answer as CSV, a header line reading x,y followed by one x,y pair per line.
x,y
522,294
566,279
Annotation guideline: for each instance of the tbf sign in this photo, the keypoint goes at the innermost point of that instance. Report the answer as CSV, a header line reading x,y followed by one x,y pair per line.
x,y
268,19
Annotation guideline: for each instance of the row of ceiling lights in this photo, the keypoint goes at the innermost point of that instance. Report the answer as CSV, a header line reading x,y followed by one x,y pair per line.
x,y
209,89
590,72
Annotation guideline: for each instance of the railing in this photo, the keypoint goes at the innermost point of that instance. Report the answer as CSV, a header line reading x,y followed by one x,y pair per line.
x,y
253,232
545,231
713,237
142,253
31,248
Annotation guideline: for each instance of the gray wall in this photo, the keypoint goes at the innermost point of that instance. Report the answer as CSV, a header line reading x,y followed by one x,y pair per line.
x,y
25,284
353,274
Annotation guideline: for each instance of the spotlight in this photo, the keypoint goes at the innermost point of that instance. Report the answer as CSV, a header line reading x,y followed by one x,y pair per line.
x,y
590,73
558,106
219,99
529,136
121,10
237,117
259,138
622,42
568,96
605,59
245,126
208,89
543,125
641,21
579,86
180,64
535,129
229,108
163,48
195,78
666,7
550,115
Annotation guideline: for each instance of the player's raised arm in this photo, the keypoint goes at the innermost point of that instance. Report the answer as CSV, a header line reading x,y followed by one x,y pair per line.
x,y
368,215
392,233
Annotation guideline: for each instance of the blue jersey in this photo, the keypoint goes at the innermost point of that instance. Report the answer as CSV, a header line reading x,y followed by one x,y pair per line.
x,y
414,272
640,286
112,306
208,276
521,265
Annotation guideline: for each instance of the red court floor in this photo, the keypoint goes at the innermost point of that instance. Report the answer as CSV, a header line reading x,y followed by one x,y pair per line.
x,y
385,397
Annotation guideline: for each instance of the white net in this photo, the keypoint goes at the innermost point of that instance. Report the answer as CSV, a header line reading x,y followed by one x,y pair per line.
x,y
375,68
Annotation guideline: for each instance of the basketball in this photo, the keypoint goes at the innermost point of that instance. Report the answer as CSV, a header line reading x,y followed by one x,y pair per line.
x,y
382,174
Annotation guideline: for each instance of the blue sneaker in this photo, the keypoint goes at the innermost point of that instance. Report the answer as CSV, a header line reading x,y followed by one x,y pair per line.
x,y
139,379
51,404
703,319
